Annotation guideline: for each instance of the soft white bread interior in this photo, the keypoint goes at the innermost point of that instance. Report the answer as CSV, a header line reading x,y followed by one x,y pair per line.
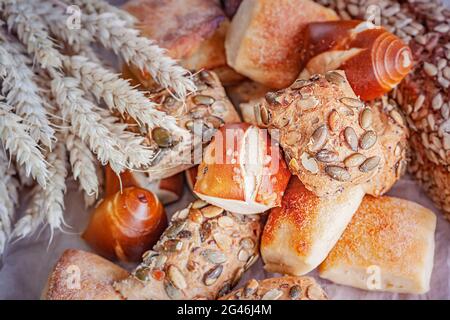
x,y
388,246
299,235
80,275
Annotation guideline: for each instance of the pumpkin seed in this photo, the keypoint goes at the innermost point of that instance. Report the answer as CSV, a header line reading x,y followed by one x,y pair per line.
x,y
370,164
176,227
225,222
314,292
247,243
199,111
250,287
214,256
299,83
366,118
368,140
325,155
142,273
273,294
214,122
334,120
149,256
309,163
222,241
176,277
243,255
162,137
218,107
212,275
318,138
160,261
338,173
198,204
171,291
211,211
351,138
295,292
334,77
352,102
309,103
265,115
354,160
272,98
202,99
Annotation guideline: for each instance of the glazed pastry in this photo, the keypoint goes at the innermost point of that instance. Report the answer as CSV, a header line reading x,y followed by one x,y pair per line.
x,y
388,246
242,170
263,39
284,288
201,255
126,224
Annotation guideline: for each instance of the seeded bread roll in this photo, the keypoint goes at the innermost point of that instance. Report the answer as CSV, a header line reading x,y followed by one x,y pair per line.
x,y
80,275
202,255
284,288
331,139
209,108
388,246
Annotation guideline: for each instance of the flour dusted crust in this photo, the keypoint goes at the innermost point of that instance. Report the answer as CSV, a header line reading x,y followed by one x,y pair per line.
x,y
284,288
202,255
331,139
96,278
391,235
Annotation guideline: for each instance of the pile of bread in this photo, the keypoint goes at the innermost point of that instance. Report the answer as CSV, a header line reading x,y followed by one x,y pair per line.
x,y
300,183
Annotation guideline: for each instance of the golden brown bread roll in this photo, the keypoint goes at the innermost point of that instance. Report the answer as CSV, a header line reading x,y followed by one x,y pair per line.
x,y
374,60
242,171
388,246
80,275
126,224
284,288
263,40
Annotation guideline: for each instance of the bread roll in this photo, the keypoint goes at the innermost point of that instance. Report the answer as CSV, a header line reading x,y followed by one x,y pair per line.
x,y
284,288
299,235
80,275
263,40
201,255
388,246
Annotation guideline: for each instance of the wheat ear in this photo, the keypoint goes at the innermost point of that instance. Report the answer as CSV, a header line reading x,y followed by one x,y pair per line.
x,y
113,33
15,139
8,193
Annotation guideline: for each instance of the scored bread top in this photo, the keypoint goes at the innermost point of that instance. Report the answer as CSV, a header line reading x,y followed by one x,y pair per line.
x,y
331,139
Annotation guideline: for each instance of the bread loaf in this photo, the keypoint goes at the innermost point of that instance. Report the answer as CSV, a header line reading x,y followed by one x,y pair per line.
x,y
284,288
388,246
263,40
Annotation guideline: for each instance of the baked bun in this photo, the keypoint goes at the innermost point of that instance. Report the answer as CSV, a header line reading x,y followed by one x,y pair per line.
x,y
242,171
126,224
202,255
388,246
201,114
284,288
298,236
331,139
263,39
80,275
374,60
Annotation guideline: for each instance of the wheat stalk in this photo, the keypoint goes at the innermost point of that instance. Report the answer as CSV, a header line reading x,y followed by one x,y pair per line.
x,y
21,93
113,33
15,139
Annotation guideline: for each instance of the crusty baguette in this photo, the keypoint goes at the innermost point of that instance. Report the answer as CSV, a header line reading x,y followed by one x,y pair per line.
x,y
388,246
263,40
299,235
80,275
284,288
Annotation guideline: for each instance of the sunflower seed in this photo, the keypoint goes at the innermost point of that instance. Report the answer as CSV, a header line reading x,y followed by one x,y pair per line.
x,y
309,163
211,211
176,227
437,102
162,137
251,261
225,222
243,255
273,294
176,277
309,103
366,118
314,292
172,291
202,99
352,102
370,164
247,243
205,231
325,155
299,83
419,102
214,256
338,173
265,115
354,160
351,138
430,69
398,118
295,292
400,168
368,140
184,234
334,77
318,138
398,149
180,215
446,72
250,287
334,121
442,28
172,245
212,275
